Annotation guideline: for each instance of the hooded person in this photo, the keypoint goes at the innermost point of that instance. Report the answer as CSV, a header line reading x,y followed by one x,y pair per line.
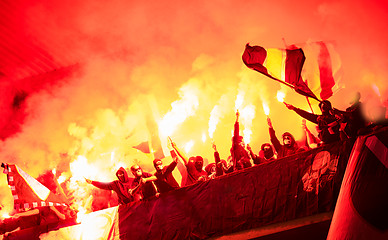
x,y
165,180
121,186
266,154
328,125
194,166
221,165
289,145
240,156
142,186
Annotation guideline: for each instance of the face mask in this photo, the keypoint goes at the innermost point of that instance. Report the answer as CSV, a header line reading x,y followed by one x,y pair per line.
x,y
268,153
287,140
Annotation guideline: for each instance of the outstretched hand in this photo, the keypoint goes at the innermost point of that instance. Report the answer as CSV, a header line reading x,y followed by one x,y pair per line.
x,y
214,146
304,127
289,106
269,122
249,147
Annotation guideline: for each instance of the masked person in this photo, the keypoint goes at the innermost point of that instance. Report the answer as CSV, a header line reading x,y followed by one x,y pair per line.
x,y
352,120
289,145
328,124
142,186
121,186
266,154
194,166
240,156
165,180
221,165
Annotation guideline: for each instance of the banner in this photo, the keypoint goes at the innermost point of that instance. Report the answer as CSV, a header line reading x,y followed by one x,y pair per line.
x,y
361,211
28,192
285,189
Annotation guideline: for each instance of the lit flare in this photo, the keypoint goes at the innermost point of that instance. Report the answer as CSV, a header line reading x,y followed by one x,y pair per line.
x,y
280,96
265,108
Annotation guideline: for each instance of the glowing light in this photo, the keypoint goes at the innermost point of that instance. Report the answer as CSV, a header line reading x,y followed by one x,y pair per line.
x,y
80,169
280,96
376,89
247,135
81,214
54,171
189,146
181,109
247,115
5,215
204,137
62,178
266,108
239,101
213,120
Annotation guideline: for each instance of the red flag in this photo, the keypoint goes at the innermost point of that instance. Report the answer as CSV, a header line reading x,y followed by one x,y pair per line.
x,y
283,65
144,147
322,68
29,192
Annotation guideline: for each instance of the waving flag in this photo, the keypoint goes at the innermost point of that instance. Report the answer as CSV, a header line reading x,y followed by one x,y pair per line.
x,y
282,65
29,192
322,68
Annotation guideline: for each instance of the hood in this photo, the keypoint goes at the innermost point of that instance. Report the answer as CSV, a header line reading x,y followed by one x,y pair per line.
x,y
292,138
125,178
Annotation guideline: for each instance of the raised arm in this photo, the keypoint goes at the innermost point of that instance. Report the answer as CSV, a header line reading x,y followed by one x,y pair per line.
x,y
274,140
101,185
178,151
217,158
236,131
304,114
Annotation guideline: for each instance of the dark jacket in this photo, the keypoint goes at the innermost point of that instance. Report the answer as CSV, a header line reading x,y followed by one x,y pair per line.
x,y
240,156
145,190
165,180
283,150
193,174
328,125
119,187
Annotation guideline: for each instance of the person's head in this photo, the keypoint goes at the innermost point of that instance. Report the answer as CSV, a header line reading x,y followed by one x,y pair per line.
x,y
158,164
288,139
136,171
267,150
325,106
356,98
240,141
198,163
122,175
210,168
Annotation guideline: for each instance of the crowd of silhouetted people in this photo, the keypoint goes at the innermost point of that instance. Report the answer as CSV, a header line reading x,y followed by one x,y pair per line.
x,y
333,125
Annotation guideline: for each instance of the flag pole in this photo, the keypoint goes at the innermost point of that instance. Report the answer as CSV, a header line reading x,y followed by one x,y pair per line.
x,y
308,101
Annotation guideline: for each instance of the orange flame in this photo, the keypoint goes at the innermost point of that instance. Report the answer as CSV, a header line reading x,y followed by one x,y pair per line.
x,y
181,109
239,101
213,120
247,114
189,146
80,169
266,108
